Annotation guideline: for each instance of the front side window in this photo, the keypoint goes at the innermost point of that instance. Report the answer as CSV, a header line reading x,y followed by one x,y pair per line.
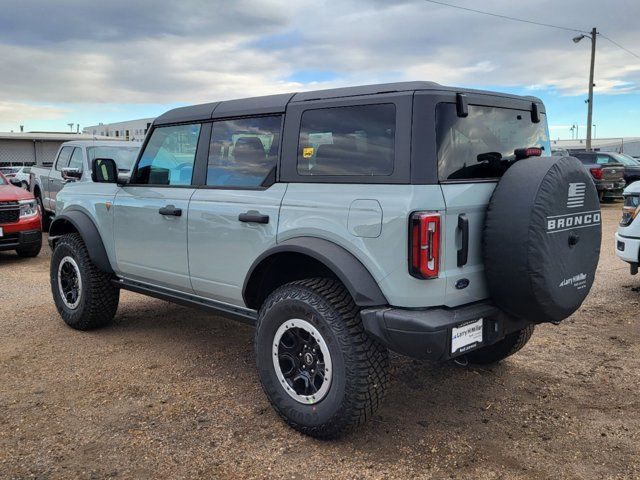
x,y
76,159
243,152
168,157
482,145
354,140
63,158
124,157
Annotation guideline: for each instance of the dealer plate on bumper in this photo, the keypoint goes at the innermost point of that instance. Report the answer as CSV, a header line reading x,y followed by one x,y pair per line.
x,y
467,336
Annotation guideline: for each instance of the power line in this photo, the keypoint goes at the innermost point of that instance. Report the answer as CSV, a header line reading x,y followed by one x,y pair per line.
x,y
620,46
506,17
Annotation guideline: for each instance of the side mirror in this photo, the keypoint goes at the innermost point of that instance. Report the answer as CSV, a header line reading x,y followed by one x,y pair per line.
x,y
104,170
15,182
71,174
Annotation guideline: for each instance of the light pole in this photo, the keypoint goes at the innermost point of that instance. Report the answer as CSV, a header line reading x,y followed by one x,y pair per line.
x,y
592,36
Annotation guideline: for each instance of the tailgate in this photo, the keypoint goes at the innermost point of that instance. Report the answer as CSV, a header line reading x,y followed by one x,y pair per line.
x,y
613,172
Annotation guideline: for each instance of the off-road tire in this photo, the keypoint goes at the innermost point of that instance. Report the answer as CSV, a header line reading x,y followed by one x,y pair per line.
x,y
510,344
360,363
45,218
98,298
29,252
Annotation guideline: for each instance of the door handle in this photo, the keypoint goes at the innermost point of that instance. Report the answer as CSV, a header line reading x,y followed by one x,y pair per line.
x,y
170,210
253,216
463,252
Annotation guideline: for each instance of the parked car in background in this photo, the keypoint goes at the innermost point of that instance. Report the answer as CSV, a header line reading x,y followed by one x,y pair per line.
x,y
73,163
560,152
23,174
631,166
607,173
628,234
20,227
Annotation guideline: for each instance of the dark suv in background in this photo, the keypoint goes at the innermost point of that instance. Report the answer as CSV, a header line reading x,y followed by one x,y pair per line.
x,y
607,171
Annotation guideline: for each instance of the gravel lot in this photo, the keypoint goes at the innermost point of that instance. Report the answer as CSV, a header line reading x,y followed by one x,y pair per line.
x,y
169,392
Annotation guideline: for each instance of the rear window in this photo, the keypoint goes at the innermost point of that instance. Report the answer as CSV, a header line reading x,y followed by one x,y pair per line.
x,y
482,145
354,140
124,157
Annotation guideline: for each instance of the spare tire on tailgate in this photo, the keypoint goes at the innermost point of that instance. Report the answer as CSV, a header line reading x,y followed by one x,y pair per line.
x,y
542,239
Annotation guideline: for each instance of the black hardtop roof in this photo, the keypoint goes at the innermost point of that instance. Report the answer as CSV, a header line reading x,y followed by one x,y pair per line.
x,y
278,103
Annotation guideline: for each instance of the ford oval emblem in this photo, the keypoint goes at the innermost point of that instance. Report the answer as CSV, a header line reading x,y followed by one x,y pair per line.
x,y
462,283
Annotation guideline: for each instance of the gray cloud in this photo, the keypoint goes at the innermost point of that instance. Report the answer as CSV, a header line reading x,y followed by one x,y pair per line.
x,y
192,51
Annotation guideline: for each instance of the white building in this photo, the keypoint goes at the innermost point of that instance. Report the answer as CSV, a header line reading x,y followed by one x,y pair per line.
x,y
628,145
35,148
132,130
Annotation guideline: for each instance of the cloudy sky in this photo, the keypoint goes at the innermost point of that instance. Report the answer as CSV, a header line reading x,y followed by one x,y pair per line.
x,y
101,61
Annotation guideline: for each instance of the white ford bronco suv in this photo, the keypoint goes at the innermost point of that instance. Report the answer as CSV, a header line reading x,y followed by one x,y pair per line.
x,y
413,217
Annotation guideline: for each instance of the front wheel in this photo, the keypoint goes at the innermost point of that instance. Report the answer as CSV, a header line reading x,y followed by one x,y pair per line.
x,y
510,344
320,370
83,294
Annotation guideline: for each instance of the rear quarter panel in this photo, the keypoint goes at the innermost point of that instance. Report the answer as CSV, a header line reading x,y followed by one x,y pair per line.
x,y
346,214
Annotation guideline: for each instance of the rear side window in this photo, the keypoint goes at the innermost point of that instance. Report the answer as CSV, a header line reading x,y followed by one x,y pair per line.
x,y
354,140
243,152
482,145
63,158
168,157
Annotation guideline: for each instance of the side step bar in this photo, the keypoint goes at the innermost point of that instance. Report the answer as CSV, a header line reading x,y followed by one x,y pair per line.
x,y
233,312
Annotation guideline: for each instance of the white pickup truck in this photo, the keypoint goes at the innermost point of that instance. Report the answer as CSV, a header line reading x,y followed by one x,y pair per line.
x,y
73,163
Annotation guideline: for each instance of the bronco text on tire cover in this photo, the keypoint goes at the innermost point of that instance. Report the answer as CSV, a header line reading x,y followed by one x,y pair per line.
x,y
542,239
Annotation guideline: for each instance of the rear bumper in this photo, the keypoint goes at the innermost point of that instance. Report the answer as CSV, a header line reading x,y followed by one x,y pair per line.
x,y
427,334
24,239
611,189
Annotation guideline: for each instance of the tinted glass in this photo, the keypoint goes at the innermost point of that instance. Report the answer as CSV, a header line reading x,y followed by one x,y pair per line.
x,y
358,140
482,145
76,159
625,159
243,152
168,157
124,157
63,158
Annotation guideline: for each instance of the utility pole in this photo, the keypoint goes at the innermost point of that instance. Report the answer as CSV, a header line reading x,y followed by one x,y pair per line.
x,y
592,36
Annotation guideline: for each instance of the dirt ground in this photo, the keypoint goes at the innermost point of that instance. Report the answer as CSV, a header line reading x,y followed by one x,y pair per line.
x,y
169,392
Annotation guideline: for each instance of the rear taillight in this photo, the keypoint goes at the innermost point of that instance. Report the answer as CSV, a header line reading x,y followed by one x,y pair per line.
x,y
424,245
597,173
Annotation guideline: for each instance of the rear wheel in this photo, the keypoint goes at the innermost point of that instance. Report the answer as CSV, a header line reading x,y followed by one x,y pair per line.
x,y
510,344
319,368
83,294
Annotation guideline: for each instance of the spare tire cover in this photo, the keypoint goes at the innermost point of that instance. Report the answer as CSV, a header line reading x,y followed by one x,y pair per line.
x,y
541,240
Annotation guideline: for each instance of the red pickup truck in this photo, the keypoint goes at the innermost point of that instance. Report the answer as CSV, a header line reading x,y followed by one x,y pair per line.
x,y
20,220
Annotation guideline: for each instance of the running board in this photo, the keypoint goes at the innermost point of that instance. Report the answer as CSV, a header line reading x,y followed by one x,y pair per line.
x,y
233,312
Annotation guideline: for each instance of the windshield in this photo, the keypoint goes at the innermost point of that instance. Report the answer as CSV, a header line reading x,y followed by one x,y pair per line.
x,y
482,145
626,159
124,156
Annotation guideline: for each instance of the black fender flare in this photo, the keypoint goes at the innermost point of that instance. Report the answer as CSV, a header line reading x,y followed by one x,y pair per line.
x,y
83,224
347,268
